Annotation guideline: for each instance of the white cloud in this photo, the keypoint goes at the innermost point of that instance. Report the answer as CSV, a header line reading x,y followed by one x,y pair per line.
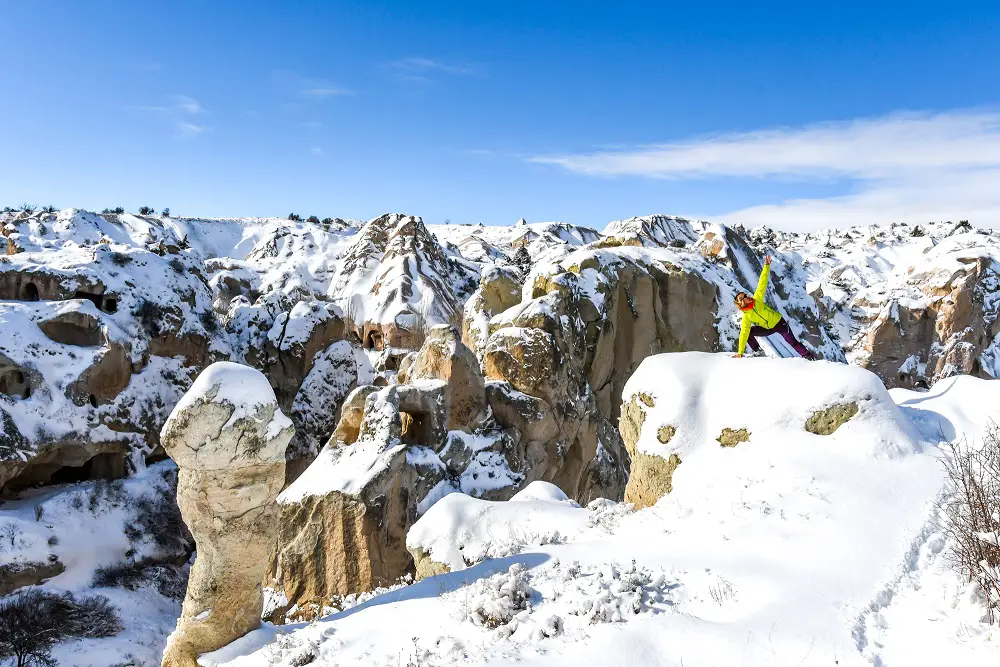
x,y
945,195
186,130
178,114
904,166
292,83
187,104
325,91
415,68
316,150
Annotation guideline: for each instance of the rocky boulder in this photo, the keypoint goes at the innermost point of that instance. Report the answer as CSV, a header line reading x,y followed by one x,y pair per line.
x,y
228,438
678,412
344,520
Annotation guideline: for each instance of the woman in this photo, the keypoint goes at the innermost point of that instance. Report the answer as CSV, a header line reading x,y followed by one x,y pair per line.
x,y
760,319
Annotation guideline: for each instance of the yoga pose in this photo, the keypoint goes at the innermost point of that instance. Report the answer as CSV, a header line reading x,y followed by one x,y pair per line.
x,y
760,319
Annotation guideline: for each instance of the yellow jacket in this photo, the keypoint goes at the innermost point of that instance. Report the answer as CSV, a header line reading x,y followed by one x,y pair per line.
x,y
760,314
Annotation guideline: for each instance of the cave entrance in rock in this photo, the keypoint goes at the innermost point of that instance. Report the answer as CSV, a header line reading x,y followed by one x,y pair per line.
x,y
92,297
13,383
99,466
374,341
30,292
416,428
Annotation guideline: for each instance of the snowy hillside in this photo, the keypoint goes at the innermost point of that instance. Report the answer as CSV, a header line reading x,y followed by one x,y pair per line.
x,y
790,547
541,423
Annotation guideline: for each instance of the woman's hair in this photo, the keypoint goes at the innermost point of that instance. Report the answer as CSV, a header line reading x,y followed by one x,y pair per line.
x,y
740,294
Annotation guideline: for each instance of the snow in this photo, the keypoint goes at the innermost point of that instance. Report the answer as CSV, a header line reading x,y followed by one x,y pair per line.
x,y
83,526
700,394
245,389
460,530
349,468
791,548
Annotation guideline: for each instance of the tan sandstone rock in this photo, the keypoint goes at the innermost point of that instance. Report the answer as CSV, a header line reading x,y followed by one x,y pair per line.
x,y
228,438
651,476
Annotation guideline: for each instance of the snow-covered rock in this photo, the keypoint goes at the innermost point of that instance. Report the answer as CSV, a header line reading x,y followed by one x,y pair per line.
x,y
228,437
820,549
691,405
460,531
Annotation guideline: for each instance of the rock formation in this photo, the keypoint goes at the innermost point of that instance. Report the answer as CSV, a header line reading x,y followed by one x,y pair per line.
x,y
396,280
915,342
396,449
679,406
228,438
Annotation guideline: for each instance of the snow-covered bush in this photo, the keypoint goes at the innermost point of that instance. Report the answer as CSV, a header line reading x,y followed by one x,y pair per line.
x,y
493,602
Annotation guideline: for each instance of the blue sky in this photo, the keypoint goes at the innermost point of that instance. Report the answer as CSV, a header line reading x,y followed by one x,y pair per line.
x,y
586,112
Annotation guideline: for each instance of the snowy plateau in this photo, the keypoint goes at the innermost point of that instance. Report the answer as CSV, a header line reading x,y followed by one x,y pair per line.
x,y
486,445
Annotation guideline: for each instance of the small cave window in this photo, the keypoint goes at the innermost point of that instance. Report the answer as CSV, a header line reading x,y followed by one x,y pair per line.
x,y
95,299
110,305
374,341
416,428
13,383
93,401
30,292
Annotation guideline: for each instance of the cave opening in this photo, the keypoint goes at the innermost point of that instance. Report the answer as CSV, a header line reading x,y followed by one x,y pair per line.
x,y
30,292
416,428
374,341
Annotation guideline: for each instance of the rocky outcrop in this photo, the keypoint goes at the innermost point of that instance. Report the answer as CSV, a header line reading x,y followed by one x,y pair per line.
x,y
395,451
293,342
317,405
915,342
344,520
499,289
568,350
228,438
650,475
678,406
18,575
443,357
107,377
73,327
828,420
396,281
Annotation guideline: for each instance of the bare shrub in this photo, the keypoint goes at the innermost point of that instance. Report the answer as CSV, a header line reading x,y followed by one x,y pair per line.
x,y
157,518
972,514
33,621
10,533
169,580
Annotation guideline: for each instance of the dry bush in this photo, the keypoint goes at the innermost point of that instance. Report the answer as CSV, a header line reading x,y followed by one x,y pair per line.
x,y
972,514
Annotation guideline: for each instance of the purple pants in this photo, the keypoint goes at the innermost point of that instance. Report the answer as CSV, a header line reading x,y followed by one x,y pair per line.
x,y
780,328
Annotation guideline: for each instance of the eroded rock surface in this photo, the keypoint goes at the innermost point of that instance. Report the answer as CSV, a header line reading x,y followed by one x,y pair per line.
x,y
228,438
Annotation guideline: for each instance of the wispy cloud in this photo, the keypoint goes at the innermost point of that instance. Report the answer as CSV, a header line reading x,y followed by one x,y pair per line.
x,y
420,69
904,166
292,83
326,91
179,114
316,150
186,130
